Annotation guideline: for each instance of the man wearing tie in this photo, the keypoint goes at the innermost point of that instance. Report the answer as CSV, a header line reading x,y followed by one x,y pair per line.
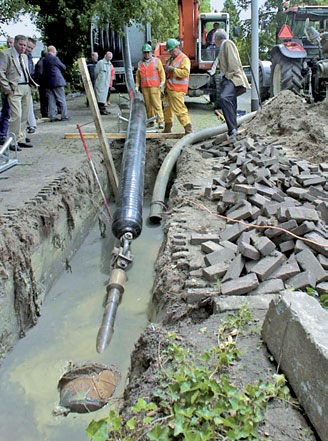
x,y
5,109
15,83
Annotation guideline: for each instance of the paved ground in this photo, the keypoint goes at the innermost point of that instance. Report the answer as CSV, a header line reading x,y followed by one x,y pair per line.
x,y
39,166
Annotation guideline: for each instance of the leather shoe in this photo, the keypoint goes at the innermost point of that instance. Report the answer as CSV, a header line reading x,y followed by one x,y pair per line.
x,y
25,145
12,147
64,119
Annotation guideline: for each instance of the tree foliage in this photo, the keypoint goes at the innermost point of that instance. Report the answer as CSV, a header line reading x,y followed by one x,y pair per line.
x,y
242,40
120,12
11,10
205,6
66,23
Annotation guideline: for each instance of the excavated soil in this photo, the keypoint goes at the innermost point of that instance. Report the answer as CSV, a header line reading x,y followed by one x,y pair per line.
x,y
27,216
300,129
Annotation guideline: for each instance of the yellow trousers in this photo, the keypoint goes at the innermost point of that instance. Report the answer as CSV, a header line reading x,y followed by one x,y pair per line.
x,y
153,102
175,105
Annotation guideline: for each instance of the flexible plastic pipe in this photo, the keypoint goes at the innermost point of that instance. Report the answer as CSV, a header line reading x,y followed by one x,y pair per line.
x,y
159,191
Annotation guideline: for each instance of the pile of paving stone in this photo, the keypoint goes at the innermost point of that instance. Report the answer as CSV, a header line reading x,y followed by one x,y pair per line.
x,y
275,236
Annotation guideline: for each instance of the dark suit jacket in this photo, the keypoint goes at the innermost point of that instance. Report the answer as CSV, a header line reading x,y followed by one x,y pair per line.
x,y
38,72
91,67
209,37
10,70
30,64
52,71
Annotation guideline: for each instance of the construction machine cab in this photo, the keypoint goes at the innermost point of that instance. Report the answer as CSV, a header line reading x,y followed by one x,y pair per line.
x,y
208,24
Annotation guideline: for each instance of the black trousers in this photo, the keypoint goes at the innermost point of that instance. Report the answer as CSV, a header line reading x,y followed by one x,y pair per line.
x,y
228,102
43,102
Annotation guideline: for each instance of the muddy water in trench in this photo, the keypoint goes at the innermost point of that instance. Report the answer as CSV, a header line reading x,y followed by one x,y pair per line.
x,y
67,331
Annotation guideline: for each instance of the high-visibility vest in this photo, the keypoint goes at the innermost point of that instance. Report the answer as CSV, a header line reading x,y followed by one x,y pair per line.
x,y
149,76
112,76
176,83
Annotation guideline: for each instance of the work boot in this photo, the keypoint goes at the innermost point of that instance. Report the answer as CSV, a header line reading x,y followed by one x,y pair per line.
x,y
168,128
188,129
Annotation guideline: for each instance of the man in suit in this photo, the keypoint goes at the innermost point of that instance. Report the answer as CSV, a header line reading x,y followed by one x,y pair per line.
x,y
5,109
31,121
91,64
234,82
55,85
15,83
39,78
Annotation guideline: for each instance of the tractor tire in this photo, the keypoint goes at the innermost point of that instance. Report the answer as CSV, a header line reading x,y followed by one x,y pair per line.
x,y
264,90
286,74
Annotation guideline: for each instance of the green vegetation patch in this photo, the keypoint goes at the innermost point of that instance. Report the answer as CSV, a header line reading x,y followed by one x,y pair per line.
x,y
195,402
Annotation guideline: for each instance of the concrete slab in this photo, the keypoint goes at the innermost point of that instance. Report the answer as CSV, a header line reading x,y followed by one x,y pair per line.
x,y
240,286
295,331
234,303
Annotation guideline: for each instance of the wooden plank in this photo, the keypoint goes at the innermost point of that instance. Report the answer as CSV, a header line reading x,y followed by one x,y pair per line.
x,y
150,135
98,123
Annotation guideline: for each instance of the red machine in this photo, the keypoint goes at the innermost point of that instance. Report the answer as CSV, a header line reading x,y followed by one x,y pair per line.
x,y
194,31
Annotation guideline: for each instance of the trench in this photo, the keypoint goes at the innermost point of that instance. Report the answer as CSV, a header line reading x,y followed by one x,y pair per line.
x,y
167,294
66,333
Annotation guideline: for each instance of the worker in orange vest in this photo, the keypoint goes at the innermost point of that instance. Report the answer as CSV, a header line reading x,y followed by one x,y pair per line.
x,y
150,77
111,79
177,71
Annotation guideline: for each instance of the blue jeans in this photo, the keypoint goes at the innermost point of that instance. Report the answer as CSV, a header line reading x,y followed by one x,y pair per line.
x,y
4,117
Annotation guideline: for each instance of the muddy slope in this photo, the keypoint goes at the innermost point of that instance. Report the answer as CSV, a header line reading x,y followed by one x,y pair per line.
x,y
37,242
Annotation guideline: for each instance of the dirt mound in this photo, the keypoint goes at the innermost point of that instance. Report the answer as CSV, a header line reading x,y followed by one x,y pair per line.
x,y
299,126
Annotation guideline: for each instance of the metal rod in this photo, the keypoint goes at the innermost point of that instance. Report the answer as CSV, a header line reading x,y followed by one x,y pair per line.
x,y
115,289
255,81
94,171
6,145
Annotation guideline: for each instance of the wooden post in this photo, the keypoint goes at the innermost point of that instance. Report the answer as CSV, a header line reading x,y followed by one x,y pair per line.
x,y
98,123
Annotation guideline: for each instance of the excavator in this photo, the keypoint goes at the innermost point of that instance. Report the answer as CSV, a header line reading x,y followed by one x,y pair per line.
x,y
195,35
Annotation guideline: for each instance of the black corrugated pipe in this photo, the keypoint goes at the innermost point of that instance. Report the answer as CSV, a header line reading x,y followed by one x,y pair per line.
x,y
128,215
127,219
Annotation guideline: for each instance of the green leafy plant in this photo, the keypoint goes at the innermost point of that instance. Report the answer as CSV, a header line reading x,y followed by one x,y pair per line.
x,y
323,298
196,400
